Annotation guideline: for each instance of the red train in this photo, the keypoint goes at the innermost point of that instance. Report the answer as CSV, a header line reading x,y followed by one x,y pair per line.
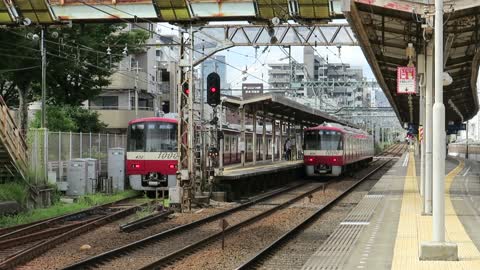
x,y
333,149
152,152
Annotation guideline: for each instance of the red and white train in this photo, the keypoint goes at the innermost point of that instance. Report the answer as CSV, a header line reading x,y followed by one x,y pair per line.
x,y
332,149
151,161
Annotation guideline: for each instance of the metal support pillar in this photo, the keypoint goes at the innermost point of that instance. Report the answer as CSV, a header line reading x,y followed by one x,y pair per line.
x,y
421,72
466,143
274,140
264,137
254,139
281,141
222,138
439,131
43,52
427,207
243,144
438,249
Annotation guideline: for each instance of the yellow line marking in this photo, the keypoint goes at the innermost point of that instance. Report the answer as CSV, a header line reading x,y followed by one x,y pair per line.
x,y
413,229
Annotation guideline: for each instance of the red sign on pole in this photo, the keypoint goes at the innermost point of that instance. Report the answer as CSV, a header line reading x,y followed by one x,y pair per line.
x,y
406,80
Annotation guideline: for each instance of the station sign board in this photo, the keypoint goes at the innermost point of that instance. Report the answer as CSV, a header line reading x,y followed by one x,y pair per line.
x,y
251,89
454,128
406,81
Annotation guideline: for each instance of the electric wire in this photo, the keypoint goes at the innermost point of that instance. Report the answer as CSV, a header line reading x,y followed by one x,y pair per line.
x,y
153,32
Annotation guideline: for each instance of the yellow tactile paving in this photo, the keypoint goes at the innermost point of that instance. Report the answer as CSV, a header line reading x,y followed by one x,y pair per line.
x,y
413,229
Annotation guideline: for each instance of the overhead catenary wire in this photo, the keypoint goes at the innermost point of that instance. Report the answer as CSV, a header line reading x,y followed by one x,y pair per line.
x,y
153,32
17,69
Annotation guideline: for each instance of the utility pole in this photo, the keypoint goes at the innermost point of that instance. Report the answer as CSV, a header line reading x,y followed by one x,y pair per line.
x,y
43,52
136,89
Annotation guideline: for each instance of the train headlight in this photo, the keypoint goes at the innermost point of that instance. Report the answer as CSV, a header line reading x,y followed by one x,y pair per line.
x,y
334,160
136,166
171,166
310,159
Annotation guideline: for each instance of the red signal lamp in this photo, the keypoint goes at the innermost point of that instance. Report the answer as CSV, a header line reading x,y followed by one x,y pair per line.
x,y
213,89
187,91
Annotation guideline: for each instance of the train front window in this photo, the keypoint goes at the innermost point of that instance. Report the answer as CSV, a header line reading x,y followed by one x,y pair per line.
x,y
323,140
161,137
136,137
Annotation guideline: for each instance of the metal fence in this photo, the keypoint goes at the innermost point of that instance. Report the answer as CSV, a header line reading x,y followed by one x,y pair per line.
x,y
64,146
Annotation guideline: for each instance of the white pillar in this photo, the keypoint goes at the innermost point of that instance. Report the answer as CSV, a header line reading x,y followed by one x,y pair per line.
x,y
274,135
280,144
427,207
243,141
264,137
421,71
439,131
254,139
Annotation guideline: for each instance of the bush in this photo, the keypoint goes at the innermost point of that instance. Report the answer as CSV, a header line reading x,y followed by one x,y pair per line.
x,y
14,192
69,118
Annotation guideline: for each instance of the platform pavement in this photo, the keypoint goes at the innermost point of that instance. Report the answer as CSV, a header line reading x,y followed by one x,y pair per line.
x,y
261,167
391,238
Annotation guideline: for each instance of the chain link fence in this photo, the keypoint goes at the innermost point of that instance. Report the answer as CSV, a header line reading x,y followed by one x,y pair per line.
x,y
64,146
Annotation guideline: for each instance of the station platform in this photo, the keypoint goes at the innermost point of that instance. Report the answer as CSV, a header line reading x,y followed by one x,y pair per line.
x,y
237,171
240,181
385,230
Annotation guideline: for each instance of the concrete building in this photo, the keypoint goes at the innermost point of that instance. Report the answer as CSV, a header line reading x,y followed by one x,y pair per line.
x,y
151,74
317,69
279,76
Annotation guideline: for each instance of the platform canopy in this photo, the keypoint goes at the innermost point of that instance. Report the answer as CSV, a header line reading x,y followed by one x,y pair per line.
x,y
384,28
282,108
173,11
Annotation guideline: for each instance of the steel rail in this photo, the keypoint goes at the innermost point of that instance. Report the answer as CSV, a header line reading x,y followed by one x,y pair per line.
x,y
188,249
93,261
39,248
145,221
277,243
25,229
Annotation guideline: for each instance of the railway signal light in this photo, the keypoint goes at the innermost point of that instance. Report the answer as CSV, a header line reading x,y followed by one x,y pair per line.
x,y
213,89
186,89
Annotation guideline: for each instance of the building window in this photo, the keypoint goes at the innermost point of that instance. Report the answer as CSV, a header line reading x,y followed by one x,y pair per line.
x,y
105,102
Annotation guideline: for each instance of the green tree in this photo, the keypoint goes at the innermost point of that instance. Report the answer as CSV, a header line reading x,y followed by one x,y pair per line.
x,y
78,65
70,118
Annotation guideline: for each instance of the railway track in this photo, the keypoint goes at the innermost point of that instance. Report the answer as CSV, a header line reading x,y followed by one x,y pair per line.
x,y
259,259
140,253
185,240
394,150
23,243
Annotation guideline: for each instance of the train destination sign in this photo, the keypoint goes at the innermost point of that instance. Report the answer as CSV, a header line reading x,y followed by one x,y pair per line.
x,y
406,80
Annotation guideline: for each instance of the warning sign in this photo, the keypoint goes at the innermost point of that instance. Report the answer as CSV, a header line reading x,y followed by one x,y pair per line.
x,y
406,80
